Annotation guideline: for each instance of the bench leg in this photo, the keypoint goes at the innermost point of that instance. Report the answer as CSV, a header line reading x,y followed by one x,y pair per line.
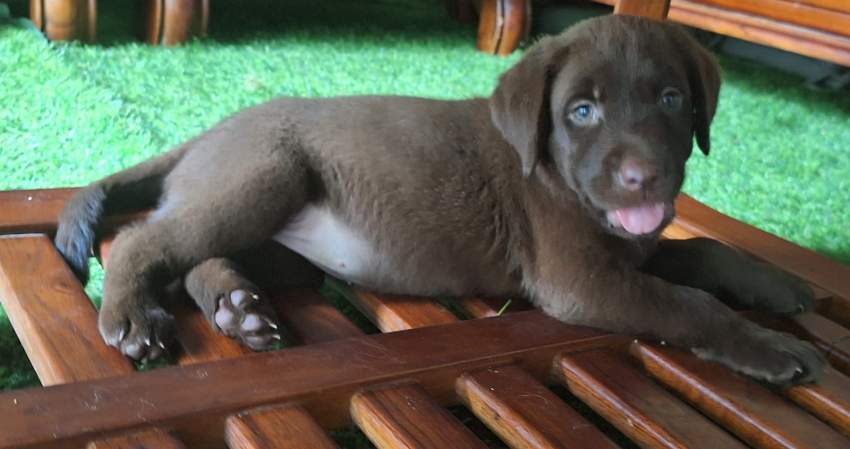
x,y
62,20
171,22
502,25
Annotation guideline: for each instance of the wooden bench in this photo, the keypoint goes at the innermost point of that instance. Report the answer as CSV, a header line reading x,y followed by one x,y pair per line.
x,y
394,385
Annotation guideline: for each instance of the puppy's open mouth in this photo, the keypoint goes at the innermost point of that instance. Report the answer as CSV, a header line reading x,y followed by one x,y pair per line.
x,y
640,220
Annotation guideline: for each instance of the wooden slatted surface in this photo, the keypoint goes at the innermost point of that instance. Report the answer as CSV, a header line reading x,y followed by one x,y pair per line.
x,y
755,414
524,413
497,370
146,439
642,410
309,318
404,417
281,427
54,319
829,400
395,313
191,399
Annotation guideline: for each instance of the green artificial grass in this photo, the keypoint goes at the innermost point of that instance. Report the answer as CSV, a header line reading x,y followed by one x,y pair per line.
x,y
70,113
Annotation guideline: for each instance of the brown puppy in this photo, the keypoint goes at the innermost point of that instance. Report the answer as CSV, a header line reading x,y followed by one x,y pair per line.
x,y
555,188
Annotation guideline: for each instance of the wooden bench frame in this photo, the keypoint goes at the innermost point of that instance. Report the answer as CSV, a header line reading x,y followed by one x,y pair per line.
x,y
339,376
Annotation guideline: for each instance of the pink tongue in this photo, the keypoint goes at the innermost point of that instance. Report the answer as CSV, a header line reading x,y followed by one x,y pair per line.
x,y
641,219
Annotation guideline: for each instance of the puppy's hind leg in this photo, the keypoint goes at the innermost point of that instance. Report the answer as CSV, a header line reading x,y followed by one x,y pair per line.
x,y
232,304
212,220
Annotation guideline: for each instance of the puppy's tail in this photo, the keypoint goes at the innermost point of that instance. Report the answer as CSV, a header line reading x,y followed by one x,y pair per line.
x,y
134,189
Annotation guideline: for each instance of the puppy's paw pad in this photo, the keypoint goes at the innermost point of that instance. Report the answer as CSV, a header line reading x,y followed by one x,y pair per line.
x,y
246,316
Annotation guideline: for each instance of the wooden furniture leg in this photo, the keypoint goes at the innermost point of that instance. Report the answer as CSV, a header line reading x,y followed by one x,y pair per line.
x,y
172,22
63,20
502,24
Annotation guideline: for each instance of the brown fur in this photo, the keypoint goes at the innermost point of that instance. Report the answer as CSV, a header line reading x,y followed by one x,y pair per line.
x,y
504,196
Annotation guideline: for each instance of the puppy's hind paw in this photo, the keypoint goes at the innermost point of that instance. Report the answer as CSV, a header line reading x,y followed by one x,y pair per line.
x,y
142,336
247,317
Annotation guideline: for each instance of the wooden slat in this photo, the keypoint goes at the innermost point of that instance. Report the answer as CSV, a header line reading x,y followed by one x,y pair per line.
x,y
194,399
396,313
676,232
829,400
199,342
37,211
654,9
835,308
489,307
826,273
404,417
753,413
791,12
642,410
832,338
146,439
54,319
32,210
309,318
524,413
279,427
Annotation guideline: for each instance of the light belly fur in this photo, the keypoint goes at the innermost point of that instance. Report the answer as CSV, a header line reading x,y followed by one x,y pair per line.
x,y
332,245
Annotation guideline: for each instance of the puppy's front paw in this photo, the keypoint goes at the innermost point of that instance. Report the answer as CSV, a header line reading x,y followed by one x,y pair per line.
x,y
767,355
771,290
246,316
141,333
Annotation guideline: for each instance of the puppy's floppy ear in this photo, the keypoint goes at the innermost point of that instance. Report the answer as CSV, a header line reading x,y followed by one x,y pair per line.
x,y
704,79
519,107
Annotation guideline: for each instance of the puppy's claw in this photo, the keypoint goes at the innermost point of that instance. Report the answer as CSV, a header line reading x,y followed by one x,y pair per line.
x,y
161,344
276,336
147,341
271,323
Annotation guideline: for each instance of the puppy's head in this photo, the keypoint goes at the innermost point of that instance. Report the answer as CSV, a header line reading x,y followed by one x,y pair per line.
x,y
612,107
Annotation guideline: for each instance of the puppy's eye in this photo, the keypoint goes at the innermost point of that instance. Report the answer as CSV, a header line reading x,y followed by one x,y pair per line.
x,y
583,113
671,99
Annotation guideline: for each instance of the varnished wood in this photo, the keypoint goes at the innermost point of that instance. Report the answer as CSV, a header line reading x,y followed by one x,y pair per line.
x,y
797,13
653,9
642,410
395,313
54,319
524,413
193,399
172,22
145,439
65,19
829,400
753,413
757,28
836,308
490,307
502,25
30,211
310,318
404,417
279,427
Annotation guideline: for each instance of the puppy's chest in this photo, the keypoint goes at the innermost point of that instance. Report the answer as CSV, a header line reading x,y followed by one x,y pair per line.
x,y
331,244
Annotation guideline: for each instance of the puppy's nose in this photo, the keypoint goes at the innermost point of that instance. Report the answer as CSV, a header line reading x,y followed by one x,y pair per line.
x,y
636,174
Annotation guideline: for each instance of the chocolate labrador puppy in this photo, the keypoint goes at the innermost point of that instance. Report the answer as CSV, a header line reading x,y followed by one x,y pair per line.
x,y
555,188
